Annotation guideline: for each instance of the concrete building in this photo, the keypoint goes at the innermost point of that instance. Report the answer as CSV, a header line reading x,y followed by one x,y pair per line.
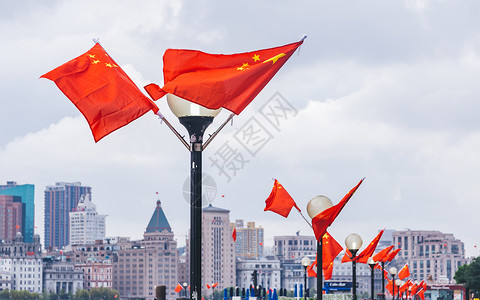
x,y
431,255
291,247
268,272
86,225
26,194
11,216
60,276
5,274
140,266
249,243
96,273
60,200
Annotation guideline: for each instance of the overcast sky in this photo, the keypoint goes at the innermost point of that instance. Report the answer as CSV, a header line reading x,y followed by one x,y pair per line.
x,y
386,90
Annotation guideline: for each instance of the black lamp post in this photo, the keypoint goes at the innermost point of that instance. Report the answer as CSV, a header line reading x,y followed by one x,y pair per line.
x,y
196,119
393,272
372,264
315,206
353,243
305,261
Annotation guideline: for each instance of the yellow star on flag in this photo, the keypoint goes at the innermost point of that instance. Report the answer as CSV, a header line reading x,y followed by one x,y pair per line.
x,y
95,61
275,58
256,57
108,65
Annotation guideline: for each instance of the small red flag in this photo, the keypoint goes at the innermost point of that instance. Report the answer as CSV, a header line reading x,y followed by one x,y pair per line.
x,y
178,288
101,90
421,293
217,80
324,219
404,272
208,286
378,266
214,285
234,234
347,256
312,269
381,255
368,251
390,256
385,274
280,201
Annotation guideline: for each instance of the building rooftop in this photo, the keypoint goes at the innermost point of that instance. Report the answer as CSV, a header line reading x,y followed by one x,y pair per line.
x,y
158,222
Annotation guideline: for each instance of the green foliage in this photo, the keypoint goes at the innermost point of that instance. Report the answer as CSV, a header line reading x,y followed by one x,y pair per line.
x,y
469,276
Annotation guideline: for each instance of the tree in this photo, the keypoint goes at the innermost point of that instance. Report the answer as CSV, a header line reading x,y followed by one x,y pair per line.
x,y
469,276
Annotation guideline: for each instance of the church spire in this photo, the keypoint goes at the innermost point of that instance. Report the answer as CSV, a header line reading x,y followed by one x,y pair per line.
x,y
158,221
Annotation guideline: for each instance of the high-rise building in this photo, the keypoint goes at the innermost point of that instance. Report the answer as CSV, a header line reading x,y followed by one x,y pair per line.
x,y
60,200
86,225
140,266
11,216
288,247
218,250
26,193
249,243
431,255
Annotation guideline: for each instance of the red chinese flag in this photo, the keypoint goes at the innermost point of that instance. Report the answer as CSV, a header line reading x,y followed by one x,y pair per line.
x,y
279,201
208,286
390,256
218,80
368,251
327,272
330,250
414,289
312,269
347,256
404,272
214,285
178,288
324,219
378,266
389,287
381,255
234,234
101,90
385,274
421,293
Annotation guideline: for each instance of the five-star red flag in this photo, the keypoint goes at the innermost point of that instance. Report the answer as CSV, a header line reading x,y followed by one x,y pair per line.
x,y
324,219
421,293
178,288
234,234
312,269
330,250
280,201
381,255
218,80
101,90
368,251
404,272
390,256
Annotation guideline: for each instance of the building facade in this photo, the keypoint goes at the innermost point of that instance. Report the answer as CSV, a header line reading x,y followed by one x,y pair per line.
x,y
86,225
60,276
96,274
26,193
11,216
60,200
431,255
249,243
140,266
269,272
291,247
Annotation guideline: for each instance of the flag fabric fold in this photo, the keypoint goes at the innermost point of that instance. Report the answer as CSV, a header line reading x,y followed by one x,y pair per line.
x,y
368,251
325,218
218,80
404,272
101,91
390,256
381,255
280,201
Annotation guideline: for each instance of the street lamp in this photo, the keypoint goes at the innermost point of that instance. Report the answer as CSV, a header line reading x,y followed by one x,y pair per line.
x,y
393,272
315,206
353,243
372,264
305,261
196,119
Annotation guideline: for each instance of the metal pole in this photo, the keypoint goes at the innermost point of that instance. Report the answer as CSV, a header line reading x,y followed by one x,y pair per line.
x,y
319,270
354,277
393,287
305,285
383,279
372,267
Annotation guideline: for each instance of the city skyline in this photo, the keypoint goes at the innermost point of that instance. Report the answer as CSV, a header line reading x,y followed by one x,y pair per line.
x,y
377,90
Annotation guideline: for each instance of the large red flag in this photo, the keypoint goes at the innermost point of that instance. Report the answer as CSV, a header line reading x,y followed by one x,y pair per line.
x,y
368,251
390,256
217,80
381,255
101,90
404,272
324,219
330,250
280,201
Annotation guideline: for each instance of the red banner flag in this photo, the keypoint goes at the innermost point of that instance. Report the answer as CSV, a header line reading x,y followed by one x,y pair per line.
x,y
404,272
217,80
381,255
178,288
101,90
312,269
390,256
368,251
234,234
328,271
280,201
324,219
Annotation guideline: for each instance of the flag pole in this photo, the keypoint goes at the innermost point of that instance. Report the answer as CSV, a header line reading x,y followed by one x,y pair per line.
x,y
309,224
213,135
180,137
